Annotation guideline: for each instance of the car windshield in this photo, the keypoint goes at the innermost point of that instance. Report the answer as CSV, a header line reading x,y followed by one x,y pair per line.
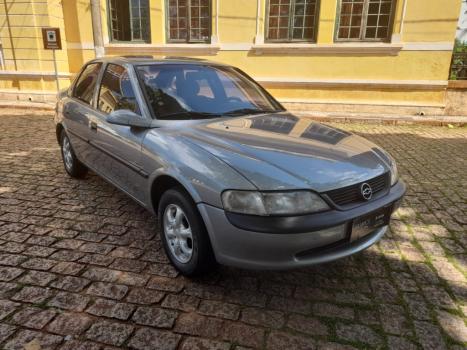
x,y
193,91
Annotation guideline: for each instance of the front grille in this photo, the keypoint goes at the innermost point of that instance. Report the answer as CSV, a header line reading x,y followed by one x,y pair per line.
x,y
352,195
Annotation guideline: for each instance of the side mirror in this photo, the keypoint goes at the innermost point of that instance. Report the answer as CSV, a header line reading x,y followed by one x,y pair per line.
x,y
126,117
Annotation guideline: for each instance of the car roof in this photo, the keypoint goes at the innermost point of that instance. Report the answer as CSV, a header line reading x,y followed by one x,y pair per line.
x,y
148,59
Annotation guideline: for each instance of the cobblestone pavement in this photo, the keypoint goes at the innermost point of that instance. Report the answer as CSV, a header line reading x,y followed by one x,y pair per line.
x,y
81,266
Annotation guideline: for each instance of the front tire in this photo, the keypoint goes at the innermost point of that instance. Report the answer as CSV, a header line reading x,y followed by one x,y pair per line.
x,y
184,236
72,165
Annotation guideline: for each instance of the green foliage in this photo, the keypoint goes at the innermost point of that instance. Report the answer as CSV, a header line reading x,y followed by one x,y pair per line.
x,y
460,46
459,61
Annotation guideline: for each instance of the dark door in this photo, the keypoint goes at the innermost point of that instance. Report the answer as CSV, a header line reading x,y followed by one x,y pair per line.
x,y
78,112
120,146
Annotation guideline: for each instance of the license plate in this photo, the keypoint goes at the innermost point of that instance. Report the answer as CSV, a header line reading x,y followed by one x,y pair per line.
x,y
366,224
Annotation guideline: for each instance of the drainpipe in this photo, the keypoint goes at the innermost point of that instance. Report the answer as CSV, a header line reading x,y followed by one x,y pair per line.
x,y
215,35
97,28
13,53
259,38
404,11
2,61
397,37
217,20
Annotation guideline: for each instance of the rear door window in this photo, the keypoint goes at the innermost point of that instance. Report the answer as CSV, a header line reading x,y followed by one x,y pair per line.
x,y
116,91
86,84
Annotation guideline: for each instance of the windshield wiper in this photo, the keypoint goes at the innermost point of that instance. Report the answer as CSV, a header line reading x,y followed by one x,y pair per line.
x,y
190,115
244,111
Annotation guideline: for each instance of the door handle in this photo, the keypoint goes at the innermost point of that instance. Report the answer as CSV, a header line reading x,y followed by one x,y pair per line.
x,y
93,126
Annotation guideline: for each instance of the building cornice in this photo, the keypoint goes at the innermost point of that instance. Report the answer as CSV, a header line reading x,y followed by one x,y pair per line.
x,y
188,49
354,83
328,49
356,48
429,46
305,101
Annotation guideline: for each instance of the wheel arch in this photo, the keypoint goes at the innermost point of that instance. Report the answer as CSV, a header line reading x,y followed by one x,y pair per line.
x,y
164,181
58,131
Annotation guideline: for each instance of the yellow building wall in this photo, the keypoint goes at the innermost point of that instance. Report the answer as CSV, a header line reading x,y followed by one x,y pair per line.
x,y
327,16
431,20
237,21
78,29
408,65
157,13
426,24
22,47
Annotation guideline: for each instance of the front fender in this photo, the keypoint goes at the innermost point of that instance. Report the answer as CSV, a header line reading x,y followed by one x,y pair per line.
x,y
174,174
203,175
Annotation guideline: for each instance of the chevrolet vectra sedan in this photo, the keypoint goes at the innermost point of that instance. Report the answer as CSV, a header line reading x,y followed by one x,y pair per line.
x,y
233,177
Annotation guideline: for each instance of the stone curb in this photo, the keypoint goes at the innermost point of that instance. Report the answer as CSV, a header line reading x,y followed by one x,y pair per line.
x,y
27,105
460,121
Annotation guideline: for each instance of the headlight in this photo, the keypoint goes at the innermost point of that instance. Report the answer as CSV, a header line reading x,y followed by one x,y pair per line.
x,y
394,171
390,162
273,203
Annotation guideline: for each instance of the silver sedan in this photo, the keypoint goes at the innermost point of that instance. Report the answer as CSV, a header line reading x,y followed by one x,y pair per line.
x,y
233,177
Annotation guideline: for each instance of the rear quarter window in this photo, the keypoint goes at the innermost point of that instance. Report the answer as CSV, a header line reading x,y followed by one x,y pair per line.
x,y
86,83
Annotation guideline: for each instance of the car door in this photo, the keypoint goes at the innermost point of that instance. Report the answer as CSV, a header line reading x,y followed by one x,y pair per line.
x,y
78,111
119,146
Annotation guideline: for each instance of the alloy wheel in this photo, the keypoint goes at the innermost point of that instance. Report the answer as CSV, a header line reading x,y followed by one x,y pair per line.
x,y
67,155
177,231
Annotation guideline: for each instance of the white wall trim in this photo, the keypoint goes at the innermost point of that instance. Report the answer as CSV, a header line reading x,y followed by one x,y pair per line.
x,y
351,48
372,83
29,92
188,49
338,48
12,96
279,48
80,46
429,46
359,102
235,46
32,74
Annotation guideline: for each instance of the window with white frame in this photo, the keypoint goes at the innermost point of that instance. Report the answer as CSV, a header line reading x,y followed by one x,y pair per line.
x,y
365,20
291,20
129,20
189,21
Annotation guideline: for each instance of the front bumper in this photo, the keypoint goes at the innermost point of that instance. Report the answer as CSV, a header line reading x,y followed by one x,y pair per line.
x,y
289,242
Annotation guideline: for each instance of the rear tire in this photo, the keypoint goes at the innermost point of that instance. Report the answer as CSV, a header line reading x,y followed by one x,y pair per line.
x,y
184,236
72,165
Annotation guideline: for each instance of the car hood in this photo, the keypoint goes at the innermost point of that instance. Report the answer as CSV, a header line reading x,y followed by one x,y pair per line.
x,y
284,151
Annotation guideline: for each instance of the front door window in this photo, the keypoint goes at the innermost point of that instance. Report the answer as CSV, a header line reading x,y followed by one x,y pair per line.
x,y
116,91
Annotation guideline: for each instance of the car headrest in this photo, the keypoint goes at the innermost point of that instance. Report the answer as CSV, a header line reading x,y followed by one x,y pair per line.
x,y
127,88
189,85
164,79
